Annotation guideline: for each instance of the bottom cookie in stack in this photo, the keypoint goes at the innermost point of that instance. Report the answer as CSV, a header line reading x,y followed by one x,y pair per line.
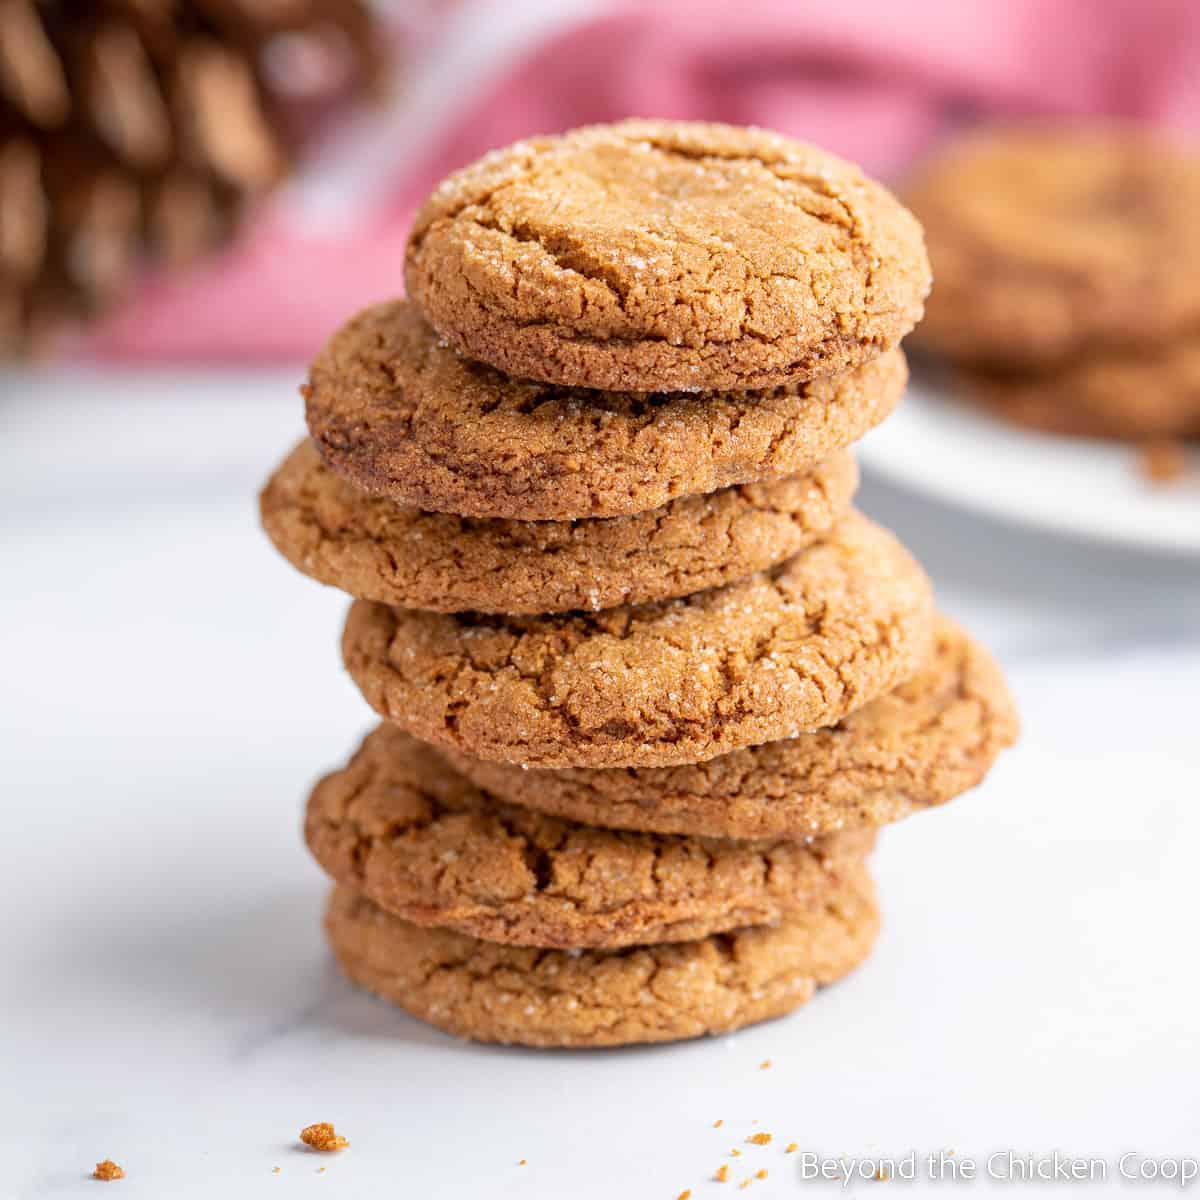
x,y
531,996
499,923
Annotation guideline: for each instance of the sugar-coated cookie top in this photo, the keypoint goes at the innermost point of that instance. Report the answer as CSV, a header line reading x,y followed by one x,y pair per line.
x,y
659,255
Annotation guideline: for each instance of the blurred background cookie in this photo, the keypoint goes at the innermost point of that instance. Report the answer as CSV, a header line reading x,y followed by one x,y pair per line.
x,y
1067,261
1135,396
1051,243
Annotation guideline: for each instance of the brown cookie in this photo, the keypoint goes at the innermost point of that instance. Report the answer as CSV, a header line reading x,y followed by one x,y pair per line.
x,y
1130,396
667,255
400,415
376,549
1050,242
677,681
659,993
920,745
400,826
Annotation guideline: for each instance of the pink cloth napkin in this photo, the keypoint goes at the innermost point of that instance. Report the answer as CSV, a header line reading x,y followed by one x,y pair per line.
x,y
874,80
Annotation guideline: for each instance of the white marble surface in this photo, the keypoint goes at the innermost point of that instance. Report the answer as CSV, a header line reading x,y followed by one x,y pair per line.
x,y
170,689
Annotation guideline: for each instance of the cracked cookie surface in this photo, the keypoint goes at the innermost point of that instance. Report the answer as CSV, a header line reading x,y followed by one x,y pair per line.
x,y
403,416
376,549
677,681
1049,243
664,992
920,745
399,825
671,255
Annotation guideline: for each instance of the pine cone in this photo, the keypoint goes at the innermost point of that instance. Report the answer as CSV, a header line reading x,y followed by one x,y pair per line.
x,y
138,129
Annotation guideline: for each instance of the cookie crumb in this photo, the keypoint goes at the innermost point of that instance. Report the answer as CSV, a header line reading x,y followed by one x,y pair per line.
x,y
881,1176
759,1139
524,1162
274,1170
722,1173
761,1174
1162,461
718,1123
322,1136
765,1065
320,1170
735,1152
686,1194
791,1148
108,1171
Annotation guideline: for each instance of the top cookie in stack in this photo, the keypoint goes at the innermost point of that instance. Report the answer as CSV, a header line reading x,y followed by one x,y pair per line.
x,y
648,256
649,259
590,487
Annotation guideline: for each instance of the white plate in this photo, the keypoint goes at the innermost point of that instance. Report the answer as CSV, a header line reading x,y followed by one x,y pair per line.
x,y
939,445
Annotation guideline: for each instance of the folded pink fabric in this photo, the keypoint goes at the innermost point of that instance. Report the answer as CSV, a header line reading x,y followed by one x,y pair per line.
x,y
874,80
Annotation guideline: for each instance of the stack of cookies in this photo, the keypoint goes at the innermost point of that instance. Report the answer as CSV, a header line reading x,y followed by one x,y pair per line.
x,y
649,683
1068,268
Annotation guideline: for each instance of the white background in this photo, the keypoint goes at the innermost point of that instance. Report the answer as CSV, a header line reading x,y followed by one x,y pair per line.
x,y
170,690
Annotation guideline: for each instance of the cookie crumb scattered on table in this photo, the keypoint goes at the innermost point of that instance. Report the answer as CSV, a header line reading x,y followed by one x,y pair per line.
x,y
791,1148
722,1173
1162,461
718,1123
322,1136
759,1139
686,1194
762,1174
108,1171
765,1065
